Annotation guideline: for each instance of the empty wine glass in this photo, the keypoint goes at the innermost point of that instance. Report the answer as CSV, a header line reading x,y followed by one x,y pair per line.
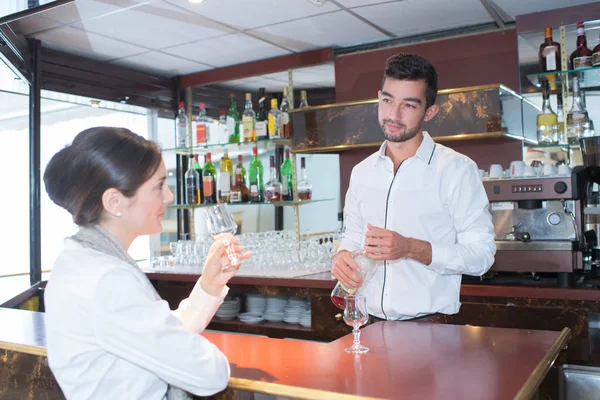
x,y
218,221
356,315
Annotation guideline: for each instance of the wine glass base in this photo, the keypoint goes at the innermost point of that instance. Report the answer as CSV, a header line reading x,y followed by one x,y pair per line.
x,y
358,349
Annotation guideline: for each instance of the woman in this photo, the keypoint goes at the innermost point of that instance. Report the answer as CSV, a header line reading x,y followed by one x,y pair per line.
x,y
109,334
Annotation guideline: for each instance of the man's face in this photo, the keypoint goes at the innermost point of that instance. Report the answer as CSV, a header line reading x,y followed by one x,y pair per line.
x,y
402,109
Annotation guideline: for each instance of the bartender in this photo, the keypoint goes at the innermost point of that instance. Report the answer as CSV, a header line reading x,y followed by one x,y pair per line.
x,y
415,206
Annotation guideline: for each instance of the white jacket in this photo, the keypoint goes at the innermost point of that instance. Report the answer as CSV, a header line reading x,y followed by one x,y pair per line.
x,y
109,335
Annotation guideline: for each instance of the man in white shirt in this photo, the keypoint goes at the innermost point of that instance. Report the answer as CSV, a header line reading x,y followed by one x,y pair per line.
x,y
417,207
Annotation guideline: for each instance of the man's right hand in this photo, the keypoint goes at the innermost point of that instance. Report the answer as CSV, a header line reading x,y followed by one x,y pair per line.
x,y
345,270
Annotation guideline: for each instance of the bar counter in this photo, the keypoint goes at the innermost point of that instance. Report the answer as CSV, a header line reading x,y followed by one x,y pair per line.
x,y
408,360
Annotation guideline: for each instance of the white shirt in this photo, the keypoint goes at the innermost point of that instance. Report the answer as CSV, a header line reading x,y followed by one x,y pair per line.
x,y
436,196
109,335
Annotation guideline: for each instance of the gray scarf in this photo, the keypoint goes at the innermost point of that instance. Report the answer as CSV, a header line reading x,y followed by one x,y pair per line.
x,y
97,238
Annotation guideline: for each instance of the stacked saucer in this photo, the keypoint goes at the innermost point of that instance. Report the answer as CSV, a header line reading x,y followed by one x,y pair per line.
x,y
305,319
250,318
293,310
255,304
229,309
275,308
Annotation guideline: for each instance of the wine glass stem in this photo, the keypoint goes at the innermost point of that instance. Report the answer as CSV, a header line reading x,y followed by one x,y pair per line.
x,y
356,333
231,253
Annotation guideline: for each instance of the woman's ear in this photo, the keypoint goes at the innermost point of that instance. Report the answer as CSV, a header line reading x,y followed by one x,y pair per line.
x,y
113,202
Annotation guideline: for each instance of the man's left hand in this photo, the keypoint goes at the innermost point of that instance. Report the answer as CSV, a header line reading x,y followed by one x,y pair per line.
x,y
384,244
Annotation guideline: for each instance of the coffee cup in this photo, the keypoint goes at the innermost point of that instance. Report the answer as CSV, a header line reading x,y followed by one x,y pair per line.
x,y
564,170
528,171
549,169
496,171
517,168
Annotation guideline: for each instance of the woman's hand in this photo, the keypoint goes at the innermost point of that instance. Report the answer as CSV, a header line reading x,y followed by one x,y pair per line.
x,y
213,277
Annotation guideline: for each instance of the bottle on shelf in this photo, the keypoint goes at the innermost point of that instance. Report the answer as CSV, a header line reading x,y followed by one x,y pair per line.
x,y
261,116
239,191
273,186
248,120
223,131
233,121
209,186
201,134
274,126
287,186
578,121
303,100
192,184
582,56
284,115
304,185
225,176
182,126
596,54
255,178
240,165
549,53
560,112
547,120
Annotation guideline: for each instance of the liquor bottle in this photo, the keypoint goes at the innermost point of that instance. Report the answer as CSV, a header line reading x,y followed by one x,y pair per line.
x,y
198,169
560,112
287,186
273,186
304,185
549,54
233,121
223,131
225,177
274,126
192,185
209,186
261,117
240,165
255,178
582,56
596,55
239,191
201,126
303,100
182,126
547,120
578,121
284,115
248,120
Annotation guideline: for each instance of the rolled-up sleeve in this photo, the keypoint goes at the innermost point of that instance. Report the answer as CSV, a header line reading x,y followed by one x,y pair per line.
x,y
474,250
352,238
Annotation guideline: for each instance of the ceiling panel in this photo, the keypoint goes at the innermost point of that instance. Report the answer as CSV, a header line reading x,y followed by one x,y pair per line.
x,y
227,50
167,26
360,3
32,24
412,17
161,64
248,14
84,9
320,31
76,41
519,7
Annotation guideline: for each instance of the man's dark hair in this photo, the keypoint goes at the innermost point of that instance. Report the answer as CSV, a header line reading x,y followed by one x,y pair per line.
x,y
411,67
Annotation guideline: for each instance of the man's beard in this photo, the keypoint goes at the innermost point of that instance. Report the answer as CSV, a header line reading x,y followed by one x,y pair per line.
x,y
402,136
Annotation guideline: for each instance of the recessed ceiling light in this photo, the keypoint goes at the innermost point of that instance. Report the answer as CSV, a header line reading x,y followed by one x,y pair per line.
x,y
196,1
95,103
318,2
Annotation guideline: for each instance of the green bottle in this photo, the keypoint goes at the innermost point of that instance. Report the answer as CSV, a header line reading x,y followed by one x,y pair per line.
x,y
287,191
233,121
209,183
255,178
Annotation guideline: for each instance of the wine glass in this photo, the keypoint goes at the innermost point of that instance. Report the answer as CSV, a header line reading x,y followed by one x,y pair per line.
x,y
356,315
219,220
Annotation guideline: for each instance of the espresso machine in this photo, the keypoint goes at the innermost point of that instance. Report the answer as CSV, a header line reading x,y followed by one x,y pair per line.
x,y
549,224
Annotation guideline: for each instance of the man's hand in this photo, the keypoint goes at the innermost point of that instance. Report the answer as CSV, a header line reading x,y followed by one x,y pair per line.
x,y
384,244
345,270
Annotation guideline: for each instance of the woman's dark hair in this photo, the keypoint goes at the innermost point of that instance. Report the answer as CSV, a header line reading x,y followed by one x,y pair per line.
x,y
99,159
411,67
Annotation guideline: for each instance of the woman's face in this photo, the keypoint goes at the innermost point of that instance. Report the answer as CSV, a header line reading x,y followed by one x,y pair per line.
x,y
146,209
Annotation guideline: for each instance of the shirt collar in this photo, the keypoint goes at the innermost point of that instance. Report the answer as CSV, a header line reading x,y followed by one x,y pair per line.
x,y
424,152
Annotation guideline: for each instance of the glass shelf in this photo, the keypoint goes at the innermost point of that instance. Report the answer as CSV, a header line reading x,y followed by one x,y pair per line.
x,y
553,148
276,204
588,77
233,148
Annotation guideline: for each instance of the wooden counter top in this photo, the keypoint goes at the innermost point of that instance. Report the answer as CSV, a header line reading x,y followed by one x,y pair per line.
x,y
408,360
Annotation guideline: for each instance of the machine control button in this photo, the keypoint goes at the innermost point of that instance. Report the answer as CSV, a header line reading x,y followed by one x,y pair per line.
x,y
560,187
554,219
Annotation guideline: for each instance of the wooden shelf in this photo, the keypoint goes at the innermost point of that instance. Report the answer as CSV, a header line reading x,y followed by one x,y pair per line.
x,y
223,324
